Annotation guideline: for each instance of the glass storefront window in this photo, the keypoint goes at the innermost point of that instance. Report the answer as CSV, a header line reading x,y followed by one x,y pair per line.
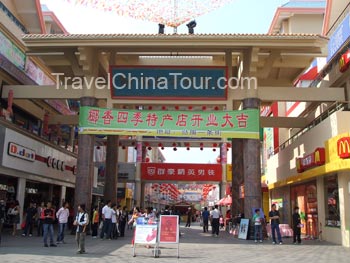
x,y
332,201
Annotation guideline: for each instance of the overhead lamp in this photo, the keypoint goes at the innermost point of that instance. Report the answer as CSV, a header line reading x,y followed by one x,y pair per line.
x,y
161,28
191,25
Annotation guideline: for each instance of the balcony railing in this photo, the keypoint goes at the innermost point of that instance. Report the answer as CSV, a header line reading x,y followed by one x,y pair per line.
x,y
35,137
333,108
14,19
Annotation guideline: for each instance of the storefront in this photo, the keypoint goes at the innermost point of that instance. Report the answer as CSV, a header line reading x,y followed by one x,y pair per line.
x,y
31,170
322,193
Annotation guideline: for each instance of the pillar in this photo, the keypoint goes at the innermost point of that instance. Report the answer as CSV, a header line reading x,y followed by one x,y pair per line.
x,y
50,195
237,176
110,188
139,159
252,167
142,201
85,165
20,195
63,195
223,162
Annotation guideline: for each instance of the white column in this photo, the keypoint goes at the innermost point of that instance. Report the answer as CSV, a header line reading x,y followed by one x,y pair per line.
x,y
20,195
137,194
63,195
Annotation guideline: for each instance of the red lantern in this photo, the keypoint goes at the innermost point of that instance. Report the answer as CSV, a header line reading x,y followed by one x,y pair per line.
x,y
163,108
177,107
201,148
201,144
174,149
160,144
204,107
162,148
215,145
188,148
190,107
216,108
150,107
149,148
218,159
214,150
147,159
174,144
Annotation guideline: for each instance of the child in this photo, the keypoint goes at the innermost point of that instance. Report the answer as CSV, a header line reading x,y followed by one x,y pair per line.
x,y
221,222
257,226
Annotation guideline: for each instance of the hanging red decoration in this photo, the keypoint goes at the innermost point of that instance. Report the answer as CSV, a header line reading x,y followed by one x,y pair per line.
x,y
216,108
163,108
177,107
190,107
149,148
214,150
147,159
215,145
162,148
188,148
204,107
218,159
201,148
160,144
174,149
123,147
201,144
146,144
174,144
228,145
150,107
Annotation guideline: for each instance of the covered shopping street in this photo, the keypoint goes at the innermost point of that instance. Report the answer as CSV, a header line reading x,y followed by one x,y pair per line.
x,y
95,69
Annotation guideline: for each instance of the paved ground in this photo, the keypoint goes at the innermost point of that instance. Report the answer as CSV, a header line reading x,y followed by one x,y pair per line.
x,y
195,246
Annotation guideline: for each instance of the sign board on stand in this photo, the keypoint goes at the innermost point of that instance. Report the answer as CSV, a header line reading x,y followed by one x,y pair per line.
x,y
169,231
145,232
243,228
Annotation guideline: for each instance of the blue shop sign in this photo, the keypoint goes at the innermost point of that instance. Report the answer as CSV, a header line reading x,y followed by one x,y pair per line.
x,y
339,37
147,82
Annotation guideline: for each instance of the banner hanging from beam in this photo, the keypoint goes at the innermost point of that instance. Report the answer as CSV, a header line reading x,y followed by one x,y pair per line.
x,y
201,124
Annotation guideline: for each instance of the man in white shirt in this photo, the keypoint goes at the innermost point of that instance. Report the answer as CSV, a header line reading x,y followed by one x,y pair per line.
x,y
81,221
62,216
215,217
107,213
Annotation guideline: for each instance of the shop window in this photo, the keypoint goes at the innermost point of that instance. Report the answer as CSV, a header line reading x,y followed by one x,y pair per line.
x,y
332,201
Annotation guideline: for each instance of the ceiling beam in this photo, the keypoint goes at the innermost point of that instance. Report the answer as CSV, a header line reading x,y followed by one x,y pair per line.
x,y
283,122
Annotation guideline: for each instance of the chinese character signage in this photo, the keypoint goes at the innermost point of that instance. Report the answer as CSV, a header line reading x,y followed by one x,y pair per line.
x,y
181,172
338,38
169,229
217,124
168,82
317,158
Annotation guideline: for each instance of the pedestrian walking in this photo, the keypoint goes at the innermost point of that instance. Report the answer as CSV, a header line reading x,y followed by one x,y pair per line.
x,y
48,217
29,220
215,224
81,222
95,222
275,224
257,220
205,218
62,216
14,216
122,221
189,217
296,226
107,220
2,215
40,230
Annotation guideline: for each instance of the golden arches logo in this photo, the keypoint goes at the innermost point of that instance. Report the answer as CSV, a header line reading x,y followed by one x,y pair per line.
x,y
343,146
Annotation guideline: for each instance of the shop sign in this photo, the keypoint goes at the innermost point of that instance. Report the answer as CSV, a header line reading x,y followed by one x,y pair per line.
x,y
181,172
338,38
218,124
121,192
317,158
126,171
55,163
343,147
11,52
344,62
168,82
21,152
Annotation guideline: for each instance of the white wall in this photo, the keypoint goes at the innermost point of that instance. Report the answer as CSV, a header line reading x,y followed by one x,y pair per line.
x,y
282,165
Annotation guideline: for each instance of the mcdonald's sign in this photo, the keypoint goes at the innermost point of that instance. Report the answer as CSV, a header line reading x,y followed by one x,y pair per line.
x,y
344,62
343,147
317,158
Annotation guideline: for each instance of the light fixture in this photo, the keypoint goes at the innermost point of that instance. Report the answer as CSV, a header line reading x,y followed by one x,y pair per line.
x,y
191,25
161,28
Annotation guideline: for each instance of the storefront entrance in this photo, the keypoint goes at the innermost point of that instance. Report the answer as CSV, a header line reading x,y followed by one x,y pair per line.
x,y
305,197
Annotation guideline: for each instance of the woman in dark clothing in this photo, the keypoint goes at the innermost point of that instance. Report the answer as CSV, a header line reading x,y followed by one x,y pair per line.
x,y
296,226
